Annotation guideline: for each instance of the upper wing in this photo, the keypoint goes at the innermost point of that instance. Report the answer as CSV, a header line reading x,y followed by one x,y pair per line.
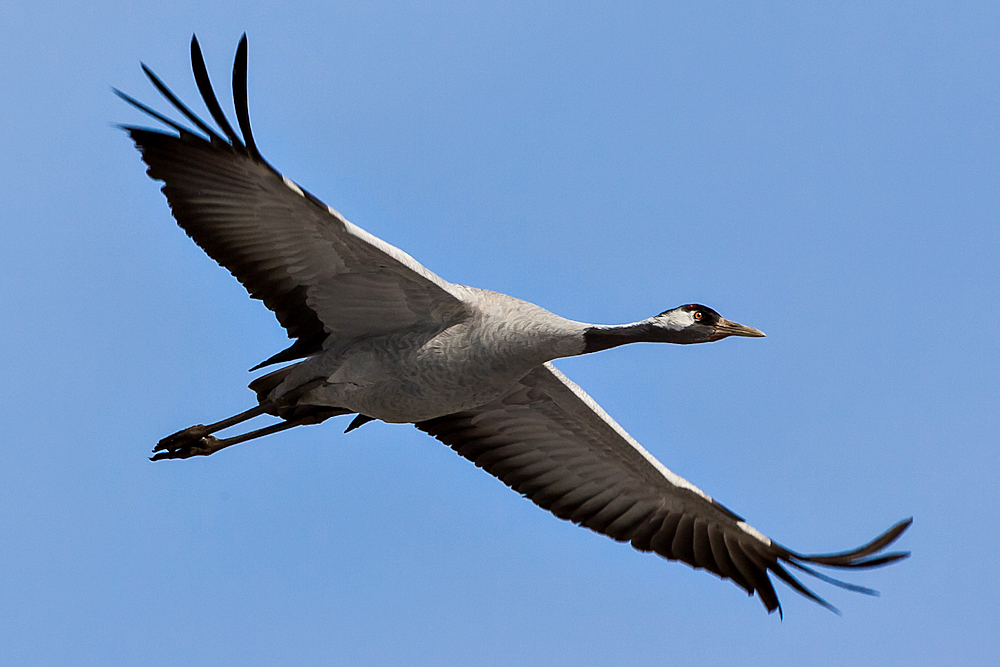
x,y
322,276
549,440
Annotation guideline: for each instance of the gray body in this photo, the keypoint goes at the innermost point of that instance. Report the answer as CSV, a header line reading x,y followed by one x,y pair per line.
x,y
416,375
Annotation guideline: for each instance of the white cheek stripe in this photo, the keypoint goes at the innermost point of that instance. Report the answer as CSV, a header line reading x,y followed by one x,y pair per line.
x,y
676,320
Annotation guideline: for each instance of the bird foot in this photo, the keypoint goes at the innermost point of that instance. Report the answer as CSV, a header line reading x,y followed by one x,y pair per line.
x,y
190,434
193,441
184,450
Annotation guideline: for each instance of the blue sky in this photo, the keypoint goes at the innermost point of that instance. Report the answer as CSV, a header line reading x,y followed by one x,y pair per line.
x,y
825,173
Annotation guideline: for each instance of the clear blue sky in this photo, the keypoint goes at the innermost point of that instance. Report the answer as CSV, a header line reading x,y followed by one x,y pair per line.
x,y
825,172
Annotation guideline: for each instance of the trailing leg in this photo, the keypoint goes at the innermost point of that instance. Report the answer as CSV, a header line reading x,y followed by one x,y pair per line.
x,y
195,433
198,440
209,444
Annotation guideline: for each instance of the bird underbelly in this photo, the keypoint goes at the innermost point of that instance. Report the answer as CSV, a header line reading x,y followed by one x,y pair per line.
x,y
400,402
419,376
405,400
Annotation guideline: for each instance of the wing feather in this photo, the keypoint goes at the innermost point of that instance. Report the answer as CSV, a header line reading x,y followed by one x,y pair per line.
x,y
324,278
547,439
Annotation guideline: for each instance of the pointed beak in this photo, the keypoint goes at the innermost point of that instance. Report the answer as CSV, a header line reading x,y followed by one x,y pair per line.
x,y
727,328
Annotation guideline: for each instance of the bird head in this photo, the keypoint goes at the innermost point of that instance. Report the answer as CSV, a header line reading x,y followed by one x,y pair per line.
x,y
695,323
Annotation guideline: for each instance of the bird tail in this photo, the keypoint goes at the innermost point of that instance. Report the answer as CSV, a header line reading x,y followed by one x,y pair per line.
x,y
265,384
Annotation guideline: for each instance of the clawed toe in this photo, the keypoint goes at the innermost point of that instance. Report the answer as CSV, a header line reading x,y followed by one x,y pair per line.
x,y
188,436
202,447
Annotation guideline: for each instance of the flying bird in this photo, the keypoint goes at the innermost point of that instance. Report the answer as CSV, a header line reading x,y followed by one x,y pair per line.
x,y
377,335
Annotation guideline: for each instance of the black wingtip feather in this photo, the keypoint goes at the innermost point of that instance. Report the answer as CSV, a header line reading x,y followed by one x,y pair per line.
x,y
798,587
861,558
240,98
183,131
864,590
857,557
180,106
880,560
208,94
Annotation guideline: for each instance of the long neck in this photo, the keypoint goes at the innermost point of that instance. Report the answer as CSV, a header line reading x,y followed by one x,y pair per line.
x,y
597,338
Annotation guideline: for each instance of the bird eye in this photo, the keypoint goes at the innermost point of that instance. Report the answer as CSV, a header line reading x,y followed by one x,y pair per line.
x,y
698,315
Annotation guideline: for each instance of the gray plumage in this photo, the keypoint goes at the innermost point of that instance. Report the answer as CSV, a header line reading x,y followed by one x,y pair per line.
x,y
380,336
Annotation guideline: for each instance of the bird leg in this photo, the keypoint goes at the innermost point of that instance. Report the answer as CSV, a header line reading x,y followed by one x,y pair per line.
x,y
198,440
208,444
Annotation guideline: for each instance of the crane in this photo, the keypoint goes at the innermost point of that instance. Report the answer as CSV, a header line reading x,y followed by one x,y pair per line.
x,y
377,335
